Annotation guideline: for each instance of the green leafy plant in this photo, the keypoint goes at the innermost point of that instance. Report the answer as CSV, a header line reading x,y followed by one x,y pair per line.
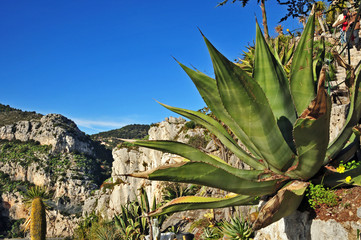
x,y
283,121
318,196
348,165
237,228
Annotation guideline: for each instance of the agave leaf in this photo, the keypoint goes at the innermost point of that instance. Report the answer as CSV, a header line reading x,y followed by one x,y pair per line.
x,y
285,202
220,132
289,53
311,133
351,147
247,104
319,59
208,89
211,176
333,178
273,80
352,119
194,202
277,43
301,79
194,155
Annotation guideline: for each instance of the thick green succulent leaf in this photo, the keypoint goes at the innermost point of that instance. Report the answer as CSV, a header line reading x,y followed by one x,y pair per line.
x,y
352,119
247,104
220,132
208,89
285,202
333,179
351,147
319,59
205,174
301,79
194,155
289,53
311,133
273,80
193,202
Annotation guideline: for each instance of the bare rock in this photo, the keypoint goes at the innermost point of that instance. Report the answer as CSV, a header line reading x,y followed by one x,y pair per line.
x,y
52,129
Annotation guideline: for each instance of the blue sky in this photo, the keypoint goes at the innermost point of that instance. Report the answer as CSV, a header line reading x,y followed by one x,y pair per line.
x,y
103,63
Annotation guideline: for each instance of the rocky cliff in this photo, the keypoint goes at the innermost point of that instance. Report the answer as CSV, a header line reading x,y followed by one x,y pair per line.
x,y
53,129
54,153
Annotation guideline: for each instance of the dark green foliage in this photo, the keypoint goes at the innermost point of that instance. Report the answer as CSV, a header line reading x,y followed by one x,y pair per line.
x,y
22,152
190,124
9,115
111,138
133,131
7,108
11,228
198,141
7,185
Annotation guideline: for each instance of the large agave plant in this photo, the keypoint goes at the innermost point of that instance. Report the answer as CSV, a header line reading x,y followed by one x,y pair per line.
x,y
284,124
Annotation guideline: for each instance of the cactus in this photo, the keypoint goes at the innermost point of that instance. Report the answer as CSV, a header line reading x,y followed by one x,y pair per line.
x,y
38,220
282,119
35,196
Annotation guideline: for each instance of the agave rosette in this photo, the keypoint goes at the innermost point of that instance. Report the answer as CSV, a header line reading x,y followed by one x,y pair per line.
x,y
283,122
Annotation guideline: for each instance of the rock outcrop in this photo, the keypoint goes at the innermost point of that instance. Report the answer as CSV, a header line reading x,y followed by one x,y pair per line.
x,y
300,225
64,162
52,129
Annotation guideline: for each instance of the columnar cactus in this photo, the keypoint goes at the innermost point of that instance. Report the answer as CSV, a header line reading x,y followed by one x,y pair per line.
x,y
35,197
38,220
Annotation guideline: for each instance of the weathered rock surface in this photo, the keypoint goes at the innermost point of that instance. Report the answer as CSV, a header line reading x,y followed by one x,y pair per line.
x,y
52,129
299,225
68,169
129,160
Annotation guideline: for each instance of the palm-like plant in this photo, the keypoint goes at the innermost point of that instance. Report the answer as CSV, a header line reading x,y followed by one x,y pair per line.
x,y
35,197
283,123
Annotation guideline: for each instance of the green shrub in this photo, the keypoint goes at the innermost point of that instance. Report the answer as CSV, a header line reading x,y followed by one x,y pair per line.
x,y
198,141
190,125
318,195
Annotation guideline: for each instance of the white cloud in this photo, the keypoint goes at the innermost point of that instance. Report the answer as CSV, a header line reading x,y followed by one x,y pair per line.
x,y
98,126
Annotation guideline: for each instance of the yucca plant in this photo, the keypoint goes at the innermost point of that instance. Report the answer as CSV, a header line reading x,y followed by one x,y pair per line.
x,y
35,197
284,124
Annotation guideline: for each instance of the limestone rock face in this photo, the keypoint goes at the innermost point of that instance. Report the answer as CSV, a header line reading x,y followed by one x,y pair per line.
x,y
299,225
52,129
129,160
338,119
62,169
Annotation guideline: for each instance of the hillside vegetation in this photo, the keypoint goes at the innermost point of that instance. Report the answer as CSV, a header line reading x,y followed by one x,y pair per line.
x,y
9,115
130,132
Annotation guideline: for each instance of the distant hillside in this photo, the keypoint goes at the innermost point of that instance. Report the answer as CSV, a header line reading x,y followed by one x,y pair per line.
x,y
111,138
9,115
133,131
